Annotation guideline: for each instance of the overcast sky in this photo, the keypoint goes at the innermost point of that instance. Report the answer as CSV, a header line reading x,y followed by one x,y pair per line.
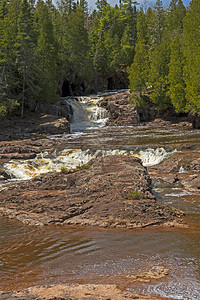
x,y
149,2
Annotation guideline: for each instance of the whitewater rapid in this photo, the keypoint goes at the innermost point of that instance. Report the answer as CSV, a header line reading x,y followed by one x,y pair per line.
x,y
73,158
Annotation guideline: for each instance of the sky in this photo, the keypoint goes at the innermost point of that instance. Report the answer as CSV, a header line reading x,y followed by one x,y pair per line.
x,y
91,3
148,2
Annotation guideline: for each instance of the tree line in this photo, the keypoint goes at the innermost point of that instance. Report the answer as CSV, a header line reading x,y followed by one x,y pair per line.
x,y
48,51
166,63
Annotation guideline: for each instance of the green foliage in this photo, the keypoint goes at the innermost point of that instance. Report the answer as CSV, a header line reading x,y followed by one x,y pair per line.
x,y
134,195
84,167
77,46
177,84
192,58
174,20
138,100
139,70
3,110
158,76
46,53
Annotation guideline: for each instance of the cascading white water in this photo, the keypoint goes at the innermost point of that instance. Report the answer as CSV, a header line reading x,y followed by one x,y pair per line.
x,y
152,157
73,158
87,112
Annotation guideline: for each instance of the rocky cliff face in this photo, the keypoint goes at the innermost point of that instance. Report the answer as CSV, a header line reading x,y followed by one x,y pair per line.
x,y
112,191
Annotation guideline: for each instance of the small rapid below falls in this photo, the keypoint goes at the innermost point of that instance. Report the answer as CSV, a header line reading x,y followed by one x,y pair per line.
x,y
35,256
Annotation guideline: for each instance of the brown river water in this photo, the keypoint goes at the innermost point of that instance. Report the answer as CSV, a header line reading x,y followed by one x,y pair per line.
x,y
48,255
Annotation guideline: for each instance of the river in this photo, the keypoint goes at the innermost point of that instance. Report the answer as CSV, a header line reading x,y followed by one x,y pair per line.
x,y
33,256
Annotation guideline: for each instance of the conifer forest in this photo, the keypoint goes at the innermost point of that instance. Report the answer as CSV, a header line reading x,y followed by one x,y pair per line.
x,y
48,51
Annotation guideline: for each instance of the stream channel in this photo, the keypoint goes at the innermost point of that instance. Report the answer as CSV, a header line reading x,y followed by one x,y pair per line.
x,y
49,255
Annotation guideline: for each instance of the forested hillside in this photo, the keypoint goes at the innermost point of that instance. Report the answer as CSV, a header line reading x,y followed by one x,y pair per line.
x,y
50,51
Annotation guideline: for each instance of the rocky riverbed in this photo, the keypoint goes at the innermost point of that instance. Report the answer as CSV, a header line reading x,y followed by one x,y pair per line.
x,y
111,191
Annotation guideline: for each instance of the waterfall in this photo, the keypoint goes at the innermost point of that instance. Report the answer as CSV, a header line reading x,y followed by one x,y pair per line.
x,y
87,112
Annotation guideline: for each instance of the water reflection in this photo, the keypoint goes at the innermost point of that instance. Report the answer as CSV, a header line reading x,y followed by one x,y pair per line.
x,y
32,256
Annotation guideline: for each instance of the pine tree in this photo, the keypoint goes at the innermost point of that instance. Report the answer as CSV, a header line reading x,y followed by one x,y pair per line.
x,y
177,84
9,15
139,71
77,46
46,52
127,49
130,9
174,19
25,54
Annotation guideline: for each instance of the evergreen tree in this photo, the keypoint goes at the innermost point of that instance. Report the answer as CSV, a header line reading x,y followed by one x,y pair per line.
x,y
177,84
46,52
191,32
140,68
158,21
130,9
25,55
158,76
174,19
9,15
77,47
139,71
127,49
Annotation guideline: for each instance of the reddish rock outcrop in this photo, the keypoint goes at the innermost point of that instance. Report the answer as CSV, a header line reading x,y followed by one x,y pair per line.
x,y
121,112
112,191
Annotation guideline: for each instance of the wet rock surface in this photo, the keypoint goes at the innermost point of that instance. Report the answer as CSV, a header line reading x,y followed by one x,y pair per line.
x,y
155,273
112,191
180,170
75,291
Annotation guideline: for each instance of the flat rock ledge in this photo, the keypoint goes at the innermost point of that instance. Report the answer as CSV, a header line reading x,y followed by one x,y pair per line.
x,y
75,291
112,191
